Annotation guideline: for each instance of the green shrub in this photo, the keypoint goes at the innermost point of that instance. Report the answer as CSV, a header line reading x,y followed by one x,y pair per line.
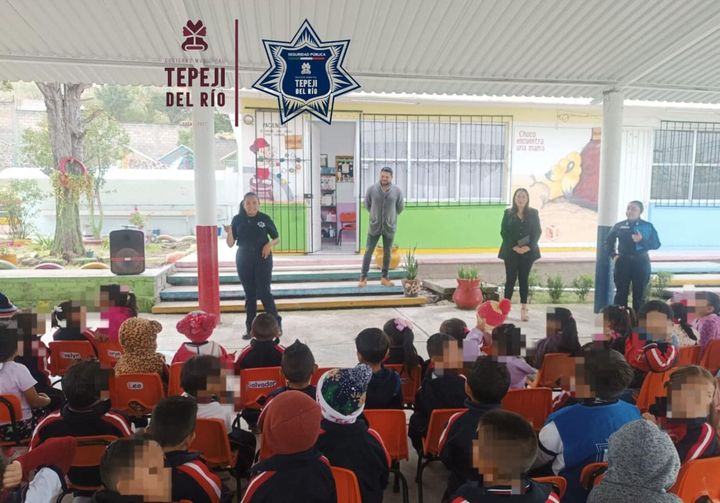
x,y
582,285
659,282
555,287
468,273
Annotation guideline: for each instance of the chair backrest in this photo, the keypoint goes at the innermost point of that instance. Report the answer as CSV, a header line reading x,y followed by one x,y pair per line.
x,y
88,454
559,483
144,389
534,404
438,420
65,353
211,440
346,485
174,387
255,383
391,425
108,352
556,370
688,355
10,413
653,386
318,373
410,378
711,357
698,478
348,218
592,474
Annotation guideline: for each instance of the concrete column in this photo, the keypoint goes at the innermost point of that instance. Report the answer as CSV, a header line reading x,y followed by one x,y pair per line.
x,y
610,154
205,206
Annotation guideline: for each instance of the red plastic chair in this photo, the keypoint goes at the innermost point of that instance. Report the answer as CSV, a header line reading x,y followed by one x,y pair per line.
x,y
688,355
410,378
534,404
318,373
346,485
11,413
556,371
88,454
431,443
108,353
211,440
65,353
558,483
174,387
592,474
698,478
391,425
653,386
348,222
711,357
258,382
145,390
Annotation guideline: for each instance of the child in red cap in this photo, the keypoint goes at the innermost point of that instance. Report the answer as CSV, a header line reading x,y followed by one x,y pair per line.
x,y
198,326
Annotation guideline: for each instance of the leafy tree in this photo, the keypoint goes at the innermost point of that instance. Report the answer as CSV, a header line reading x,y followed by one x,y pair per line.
x,y
19,203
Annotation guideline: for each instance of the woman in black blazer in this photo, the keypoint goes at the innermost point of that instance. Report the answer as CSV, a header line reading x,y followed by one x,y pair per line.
x,y
520,231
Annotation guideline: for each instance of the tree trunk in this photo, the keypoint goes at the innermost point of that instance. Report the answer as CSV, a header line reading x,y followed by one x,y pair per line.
x,y
66,138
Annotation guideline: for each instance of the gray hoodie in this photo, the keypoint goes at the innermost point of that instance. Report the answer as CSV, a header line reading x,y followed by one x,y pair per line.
x,y
384,207
642,465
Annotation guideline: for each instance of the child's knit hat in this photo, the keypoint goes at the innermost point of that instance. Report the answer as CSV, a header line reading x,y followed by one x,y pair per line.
x,y
139,335
197,326
290,423
341,393
493,312
7,308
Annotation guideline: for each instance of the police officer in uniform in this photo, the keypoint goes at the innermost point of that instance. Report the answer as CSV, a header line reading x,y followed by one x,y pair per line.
x,y
250,229
634,237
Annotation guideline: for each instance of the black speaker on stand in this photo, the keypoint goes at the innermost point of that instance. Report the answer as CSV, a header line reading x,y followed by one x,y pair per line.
x,y
127,252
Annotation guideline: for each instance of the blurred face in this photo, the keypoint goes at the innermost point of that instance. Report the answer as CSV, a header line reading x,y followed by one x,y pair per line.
x,y
658,325
78,318
521,199
251,205
493,459
552,326
702,307
452,357
692,400
385,178
217,386
148,477
633,211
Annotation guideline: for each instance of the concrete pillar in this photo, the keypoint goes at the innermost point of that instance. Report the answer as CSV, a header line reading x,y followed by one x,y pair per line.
x,y
203,127
610,154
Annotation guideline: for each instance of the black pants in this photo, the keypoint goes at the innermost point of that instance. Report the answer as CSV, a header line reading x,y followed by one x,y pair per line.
x,y
370,244
517,267
255,275
633,269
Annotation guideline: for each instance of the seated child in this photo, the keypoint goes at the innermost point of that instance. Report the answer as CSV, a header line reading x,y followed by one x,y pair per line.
x,y
263,350
117,304
455,328
649,348
687,414
618,324
385,388
573,436
682,331
7,308
297,367
402,347
84,414
642,466
503,451
74,316
198,326
295,470
489,314
707,317
173,427
15,379
133,470
562,336
138,338
508,344
346,442
442,387
49,464
488,382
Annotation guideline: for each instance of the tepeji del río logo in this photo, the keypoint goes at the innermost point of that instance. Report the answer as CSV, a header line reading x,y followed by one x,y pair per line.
x,y
306,74
194,33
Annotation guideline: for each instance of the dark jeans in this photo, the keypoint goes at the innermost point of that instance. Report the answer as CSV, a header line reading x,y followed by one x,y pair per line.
x,y
517,267
633,269
255,275
370,245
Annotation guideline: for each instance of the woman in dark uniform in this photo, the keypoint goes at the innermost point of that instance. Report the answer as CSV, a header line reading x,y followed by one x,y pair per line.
x,y
520,231
250,230
634,237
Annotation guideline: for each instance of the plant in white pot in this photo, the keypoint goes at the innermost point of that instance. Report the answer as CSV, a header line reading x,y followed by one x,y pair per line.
x,y
411,283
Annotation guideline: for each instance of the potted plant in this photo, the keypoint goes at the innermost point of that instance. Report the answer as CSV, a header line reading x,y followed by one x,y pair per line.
x,y
137,219
468,294
411,284
394,256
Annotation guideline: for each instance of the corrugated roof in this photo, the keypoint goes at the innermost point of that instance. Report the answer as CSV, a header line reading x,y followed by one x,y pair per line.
x,y
664,50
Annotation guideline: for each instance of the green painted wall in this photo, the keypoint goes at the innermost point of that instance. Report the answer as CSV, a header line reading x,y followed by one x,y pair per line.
x,y
445,227
44,292
291,222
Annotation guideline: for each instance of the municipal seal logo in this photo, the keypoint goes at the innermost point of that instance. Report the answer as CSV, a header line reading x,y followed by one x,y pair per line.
x,y
306,74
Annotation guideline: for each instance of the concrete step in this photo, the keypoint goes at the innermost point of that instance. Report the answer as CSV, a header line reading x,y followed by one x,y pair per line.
x,y
230,277
686,267
699,280
301,304
288,290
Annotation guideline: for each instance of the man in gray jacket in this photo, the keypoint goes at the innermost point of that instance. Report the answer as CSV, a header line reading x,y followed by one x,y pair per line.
x,y
384,201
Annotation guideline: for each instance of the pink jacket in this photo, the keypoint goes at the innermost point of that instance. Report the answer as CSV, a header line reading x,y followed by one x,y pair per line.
x,y
115,316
